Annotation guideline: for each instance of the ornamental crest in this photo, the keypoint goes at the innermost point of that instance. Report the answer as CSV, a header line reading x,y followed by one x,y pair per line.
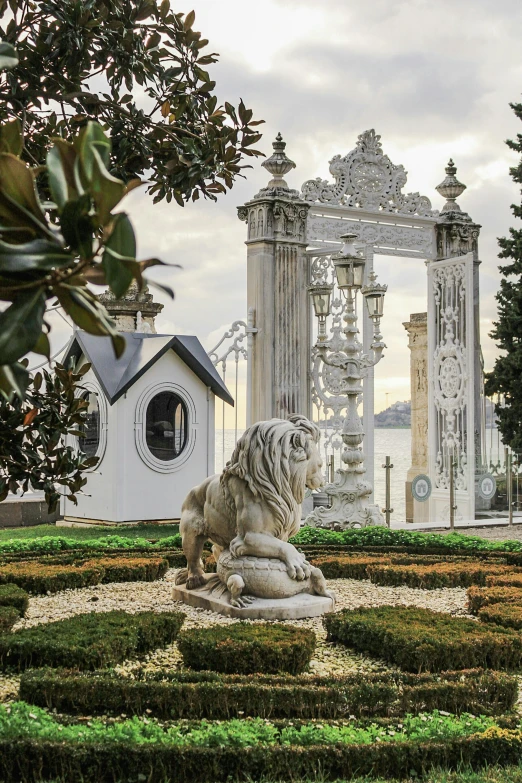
x,y
366,178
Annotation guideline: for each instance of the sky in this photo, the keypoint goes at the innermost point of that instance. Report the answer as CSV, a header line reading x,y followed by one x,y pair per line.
x,y
433,79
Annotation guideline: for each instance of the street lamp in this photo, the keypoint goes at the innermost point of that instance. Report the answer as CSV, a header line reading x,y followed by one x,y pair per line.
x,y
349,494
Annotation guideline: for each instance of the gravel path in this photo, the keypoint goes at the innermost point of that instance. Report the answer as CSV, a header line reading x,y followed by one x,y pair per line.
x,y
504,533
139,596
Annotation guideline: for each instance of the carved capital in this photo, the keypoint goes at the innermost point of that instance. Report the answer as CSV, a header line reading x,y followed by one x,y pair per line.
x,y
456,235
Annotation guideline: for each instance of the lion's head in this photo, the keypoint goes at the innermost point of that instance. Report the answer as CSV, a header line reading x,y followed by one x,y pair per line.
x,y
278,459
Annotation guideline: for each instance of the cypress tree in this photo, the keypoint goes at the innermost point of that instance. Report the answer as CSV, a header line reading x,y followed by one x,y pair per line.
x,y
506,376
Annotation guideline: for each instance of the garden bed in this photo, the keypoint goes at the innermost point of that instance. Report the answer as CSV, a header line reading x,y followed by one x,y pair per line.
x,y
89,641
169,694
419,640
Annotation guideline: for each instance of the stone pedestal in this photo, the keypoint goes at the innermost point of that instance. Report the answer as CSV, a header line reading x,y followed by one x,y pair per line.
x,y
277,280
417,328
294,608
134,312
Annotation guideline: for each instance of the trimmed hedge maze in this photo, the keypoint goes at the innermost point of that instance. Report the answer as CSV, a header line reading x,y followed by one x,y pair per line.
x,y
245,706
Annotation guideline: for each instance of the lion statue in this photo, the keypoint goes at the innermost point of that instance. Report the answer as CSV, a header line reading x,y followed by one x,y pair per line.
x,y
254,506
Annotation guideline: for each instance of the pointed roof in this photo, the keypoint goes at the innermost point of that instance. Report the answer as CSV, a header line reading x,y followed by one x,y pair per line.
x,y
142,350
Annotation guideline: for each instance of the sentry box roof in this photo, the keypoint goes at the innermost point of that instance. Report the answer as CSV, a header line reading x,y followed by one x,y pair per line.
x,y
142,350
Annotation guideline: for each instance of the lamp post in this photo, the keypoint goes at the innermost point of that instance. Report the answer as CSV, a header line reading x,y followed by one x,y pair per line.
x,y
349,494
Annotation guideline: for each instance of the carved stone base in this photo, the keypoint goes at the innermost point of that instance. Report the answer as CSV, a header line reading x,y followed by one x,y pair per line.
x,y
349,507
294,608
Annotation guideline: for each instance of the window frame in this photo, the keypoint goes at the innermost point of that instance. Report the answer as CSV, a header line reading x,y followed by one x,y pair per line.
x,y
92,388
140,427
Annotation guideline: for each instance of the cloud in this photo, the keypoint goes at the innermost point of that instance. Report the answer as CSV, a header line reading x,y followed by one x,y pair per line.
x,y
434,80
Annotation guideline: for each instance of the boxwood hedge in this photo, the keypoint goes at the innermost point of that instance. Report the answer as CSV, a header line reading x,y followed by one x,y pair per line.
x,y
41,578
172,695
509,615
89,641
419,640
482,596
8,617
245,648
27,760
431,576
12,595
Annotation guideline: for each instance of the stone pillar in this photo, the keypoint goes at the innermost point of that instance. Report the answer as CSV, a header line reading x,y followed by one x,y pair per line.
x,y
134,312
417,328
277,282
458,235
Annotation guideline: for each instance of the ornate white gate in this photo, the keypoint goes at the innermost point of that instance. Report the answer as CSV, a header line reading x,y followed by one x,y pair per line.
x,y
365,199
451,386
292,236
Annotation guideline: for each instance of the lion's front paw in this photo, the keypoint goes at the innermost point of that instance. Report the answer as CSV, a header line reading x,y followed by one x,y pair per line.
x,y
237,547
195,581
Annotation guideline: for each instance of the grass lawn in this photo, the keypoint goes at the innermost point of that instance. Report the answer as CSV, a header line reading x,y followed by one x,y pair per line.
x,y
87,533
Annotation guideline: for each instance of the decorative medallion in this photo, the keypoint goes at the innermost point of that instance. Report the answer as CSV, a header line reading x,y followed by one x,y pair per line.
x,y
367,178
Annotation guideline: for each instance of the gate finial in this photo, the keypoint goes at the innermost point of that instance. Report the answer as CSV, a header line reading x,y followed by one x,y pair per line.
x,y
278,164
450,188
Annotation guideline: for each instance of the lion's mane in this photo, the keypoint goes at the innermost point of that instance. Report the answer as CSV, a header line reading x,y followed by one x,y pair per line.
x,y
271,457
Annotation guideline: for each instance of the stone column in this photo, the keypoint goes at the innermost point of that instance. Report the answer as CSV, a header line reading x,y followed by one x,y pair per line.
x,y
277,281
417,328
458,235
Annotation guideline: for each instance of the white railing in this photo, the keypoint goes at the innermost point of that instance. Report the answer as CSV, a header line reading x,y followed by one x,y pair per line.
x,y
235,346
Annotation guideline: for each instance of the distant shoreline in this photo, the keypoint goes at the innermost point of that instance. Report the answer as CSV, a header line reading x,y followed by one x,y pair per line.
x,y
392,426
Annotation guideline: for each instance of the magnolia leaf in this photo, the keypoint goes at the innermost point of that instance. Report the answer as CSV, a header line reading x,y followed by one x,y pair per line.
x,y
21,325
30,416
91,139
89,314
8,56
34,255
14,380
60,171
77,226
161,287
11,137
120,245
42,346
95,274
17,184
106,190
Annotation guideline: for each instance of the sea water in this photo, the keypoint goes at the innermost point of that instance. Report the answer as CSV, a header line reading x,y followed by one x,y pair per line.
x,y
389,442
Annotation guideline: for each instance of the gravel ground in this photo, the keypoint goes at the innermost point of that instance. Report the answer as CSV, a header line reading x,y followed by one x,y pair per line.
x,y
504,533
139,596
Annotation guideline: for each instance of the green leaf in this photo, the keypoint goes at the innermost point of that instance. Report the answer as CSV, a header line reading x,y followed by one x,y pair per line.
x,y
18,187
106,190
60,171
42,346
21,325
11,137
189,20
89,314
14,379
92,138
8,56
77,226
165,288
37,254
120,245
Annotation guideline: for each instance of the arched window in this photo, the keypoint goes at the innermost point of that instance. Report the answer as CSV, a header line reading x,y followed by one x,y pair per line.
x,y
166,426
90,441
